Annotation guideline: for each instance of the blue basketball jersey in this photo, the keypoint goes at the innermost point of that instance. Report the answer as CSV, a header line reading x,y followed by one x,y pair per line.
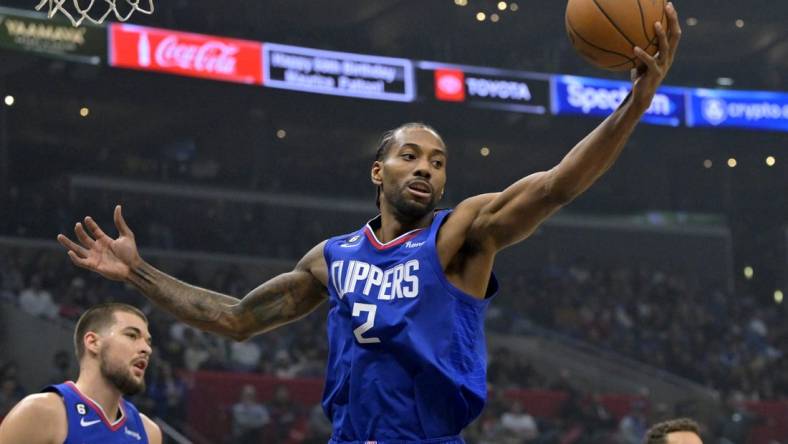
x,y
407,353
87,423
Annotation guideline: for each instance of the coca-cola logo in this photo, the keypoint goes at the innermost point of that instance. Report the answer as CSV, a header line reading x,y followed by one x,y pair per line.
x,y
186,54
211,56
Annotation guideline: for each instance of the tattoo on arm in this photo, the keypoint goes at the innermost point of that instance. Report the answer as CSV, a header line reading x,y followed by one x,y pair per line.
x,y
283,299
193,305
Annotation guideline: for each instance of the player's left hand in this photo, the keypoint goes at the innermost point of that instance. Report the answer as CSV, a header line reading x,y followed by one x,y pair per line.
x,y
647,77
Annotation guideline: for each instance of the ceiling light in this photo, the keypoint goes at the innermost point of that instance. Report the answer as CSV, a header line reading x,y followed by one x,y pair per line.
x,y
724,81
748,272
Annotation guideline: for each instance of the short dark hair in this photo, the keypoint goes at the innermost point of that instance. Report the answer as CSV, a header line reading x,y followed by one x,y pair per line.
x,y
98,318
658,433
387,141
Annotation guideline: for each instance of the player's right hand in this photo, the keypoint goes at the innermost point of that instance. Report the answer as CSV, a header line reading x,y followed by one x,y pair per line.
x,y
111,258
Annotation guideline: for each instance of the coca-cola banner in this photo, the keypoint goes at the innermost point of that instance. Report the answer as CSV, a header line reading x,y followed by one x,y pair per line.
x,y
338,73
486,87
187,54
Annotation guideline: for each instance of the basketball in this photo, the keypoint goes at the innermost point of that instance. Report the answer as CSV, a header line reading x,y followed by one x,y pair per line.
x,y
605,32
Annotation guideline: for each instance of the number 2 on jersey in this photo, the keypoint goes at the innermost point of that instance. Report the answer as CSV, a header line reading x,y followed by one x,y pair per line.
x,y
359,308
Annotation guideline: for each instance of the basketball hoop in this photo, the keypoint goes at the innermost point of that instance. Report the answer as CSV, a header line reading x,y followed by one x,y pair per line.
x,y
95,15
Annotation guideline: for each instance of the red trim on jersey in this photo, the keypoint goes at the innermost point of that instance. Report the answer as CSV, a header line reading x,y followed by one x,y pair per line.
x,y
399,241
98,409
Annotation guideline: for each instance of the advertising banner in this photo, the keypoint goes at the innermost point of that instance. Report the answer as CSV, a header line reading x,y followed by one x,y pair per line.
x,y
487,87
338,73
186,54
738,109
34,32
588,96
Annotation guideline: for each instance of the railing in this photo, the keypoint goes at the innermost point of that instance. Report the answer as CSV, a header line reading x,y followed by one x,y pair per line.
x,y
175,436
623,362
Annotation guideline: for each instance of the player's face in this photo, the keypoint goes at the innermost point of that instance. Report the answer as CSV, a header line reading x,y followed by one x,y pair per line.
x,y
125,353
413,174
683,438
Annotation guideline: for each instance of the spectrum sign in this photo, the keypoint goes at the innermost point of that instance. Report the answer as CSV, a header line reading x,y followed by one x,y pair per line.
x,y
338,73
588,96
186,54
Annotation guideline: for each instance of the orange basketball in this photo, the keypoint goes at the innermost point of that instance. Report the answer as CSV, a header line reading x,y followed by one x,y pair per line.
x,y
605,32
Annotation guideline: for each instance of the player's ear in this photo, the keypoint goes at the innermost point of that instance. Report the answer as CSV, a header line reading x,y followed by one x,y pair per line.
x,y
92,342
375,173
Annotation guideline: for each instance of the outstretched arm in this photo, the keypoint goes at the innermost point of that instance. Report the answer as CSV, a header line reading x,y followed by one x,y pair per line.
x,y
512,215
282,299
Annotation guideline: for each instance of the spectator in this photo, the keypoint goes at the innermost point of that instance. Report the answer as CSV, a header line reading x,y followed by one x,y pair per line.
x,y
9,395
249,417
61,368
521,426
245,355
632,427
195,353
73,301
738,422
284,414
37,301
318,426
168,391
11,277
10,371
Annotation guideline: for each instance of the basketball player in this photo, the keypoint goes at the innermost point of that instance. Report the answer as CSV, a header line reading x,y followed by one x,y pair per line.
x,y
674,431
407,292
113,348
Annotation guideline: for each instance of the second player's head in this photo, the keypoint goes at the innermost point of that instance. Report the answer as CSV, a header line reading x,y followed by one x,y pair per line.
x,y
674,431
410,170
113,339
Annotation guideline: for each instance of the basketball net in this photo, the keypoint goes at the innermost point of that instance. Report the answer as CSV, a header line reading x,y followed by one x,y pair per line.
x,y
95,15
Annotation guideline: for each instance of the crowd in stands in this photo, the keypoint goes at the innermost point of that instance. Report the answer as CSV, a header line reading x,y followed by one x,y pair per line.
x,y
665,320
